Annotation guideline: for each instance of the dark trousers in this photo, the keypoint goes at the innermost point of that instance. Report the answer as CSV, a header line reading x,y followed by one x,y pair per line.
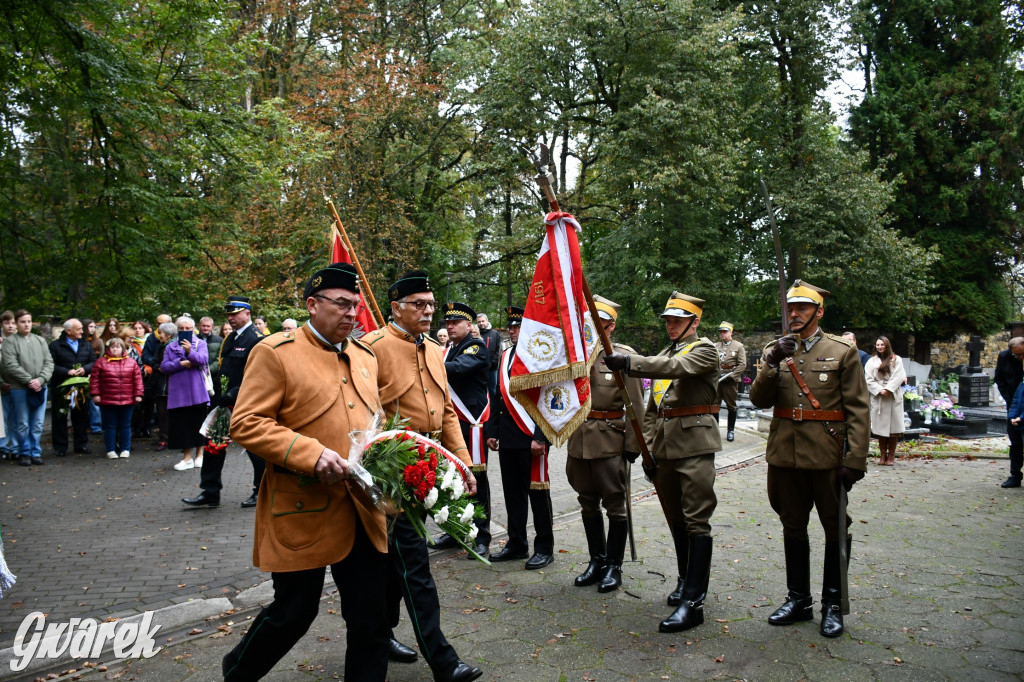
x,y
515,467
483,501
410,579
361,578
1016,449
259,465
59,421
794,492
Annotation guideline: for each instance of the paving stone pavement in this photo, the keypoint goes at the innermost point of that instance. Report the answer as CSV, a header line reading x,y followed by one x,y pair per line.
x,y
935,581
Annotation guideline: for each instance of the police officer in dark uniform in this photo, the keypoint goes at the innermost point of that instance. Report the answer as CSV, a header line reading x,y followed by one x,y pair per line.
x,y
524,476
466,363
234,353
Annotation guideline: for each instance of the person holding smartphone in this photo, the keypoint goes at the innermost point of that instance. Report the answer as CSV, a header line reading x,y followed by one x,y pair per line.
x,y
184,361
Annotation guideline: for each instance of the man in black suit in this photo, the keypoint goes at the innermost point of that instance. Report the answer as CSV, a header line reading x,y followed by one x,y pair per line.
x,y
72,357
524,476
1009,373
234,353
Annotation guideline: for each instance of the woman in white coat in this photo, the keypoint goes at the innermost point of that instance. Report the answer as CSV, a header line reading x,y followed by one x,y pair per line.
x,y
886,376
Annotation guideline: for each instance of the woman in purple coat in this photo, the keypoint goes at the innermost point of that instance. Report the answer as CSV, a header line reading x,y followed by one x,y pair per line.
x,y
185,361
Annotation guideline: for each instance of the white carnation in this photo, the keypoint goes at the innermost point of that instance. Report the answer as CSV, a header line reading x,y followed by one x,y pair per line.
x,y
467,515
457,488
441,517
471,535
449,477
431,498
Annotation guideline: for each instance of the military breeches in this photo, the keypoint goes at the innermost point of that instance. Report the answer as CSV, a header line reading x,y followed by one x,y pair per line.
x,y
597,482
728,391
686,490
793,492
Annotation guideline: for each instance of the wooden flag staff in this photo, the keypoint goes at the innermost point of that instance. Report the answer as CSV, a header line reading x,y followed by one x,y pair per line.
x,y
365,288
546,181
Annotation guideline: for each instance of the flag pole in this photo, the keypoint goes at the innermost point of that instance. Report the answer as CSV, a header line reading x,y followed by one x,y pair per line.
x,y
365,289
546,180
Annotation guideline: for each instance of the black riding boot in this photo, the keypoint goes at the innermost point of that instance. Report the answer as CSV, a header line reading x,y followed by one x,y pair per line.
x,y
798,579
831,596
690,613
611,577
730,429
594,527
682,543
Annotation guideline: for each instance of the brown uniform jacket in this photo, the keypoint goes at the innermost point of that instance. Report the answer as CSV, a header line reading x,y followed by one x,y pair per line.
x,y
732,355
832,370
413,382
297,397
694,382
602,438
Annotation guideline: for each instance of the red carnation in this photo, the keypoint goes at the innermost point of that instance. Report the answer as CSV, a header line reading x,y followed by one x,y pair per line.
x,y
433,459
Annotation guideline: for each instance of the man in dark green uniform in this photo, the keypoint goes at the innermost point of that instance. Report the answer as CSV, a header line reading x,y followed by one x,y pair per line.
x,y
682,433
596,463
818,440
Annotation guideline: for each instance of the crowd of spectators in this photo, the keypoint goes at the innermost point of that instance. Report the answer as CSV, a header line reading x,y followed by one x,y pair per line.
x,y
115,378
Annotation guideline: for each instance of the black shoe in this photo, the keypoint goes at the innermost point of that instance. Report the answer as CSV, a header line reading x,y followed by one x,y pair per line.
x,y
25,461
1011,482
509,554
687,615
400,653
612,578
794,610
675,597
538,561
38,461
831,620
730,435
444,542
593,572
481,549
251,502
204,499
84,450
462,672
60,453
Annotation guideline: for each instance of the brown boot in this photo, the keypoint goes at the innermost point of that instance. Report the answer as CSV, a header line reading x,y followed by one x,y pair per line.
x,y
883,451
893,441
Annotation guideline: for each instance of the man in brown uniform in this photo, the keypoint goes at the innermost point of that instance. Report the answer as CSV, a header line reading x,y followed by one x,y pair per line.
x,y
301,395
733,358
682,433
818,440
413,383
596,465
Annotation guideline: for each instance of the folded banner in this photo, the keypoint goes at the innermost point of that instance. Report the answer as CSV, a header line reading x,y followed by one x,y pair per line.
x,y
364,318
550,373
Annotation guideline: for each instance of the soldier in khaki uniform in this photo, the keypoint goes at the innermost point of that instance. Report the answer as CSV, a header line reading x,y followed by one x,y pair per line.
x,y
733,358
413,382
806,458
683,436
596,465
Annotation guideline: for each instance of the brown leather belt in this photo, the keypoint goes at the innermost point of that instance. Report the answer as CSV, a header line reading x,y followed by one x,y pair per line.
x,y
800,415
598,414
669,412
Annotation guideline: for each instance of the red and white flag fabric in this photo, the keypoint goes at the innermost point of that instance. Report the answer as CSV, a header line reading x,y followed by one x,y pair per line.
x,y
364,318
550,374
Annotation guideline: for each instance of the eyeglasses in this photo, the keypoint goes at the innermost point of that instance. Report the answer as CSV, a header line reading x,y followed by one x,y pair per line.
x,y
420,306
344,304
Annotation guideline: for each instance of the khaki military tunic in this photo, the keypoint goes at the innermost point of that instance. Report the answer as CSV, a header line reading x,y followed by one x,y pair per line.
x,y
684,446
732,356
832,371
595,468
803,458
413,382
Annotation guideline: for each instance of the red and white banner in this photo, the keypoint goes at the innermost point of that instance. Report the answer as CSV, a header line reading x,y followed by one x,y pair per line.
x,y
364,318
550,374
515,408
476,444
